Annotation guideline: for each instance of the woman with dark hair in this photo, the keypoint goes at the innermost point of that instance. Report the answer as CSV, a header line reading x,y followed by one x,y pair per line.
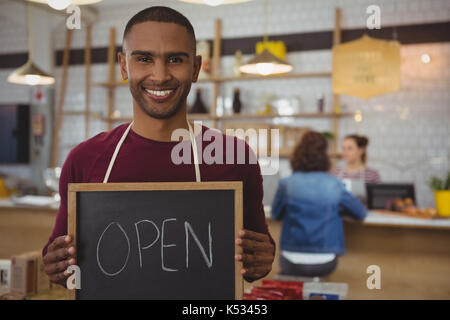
x,y
308,202
354,153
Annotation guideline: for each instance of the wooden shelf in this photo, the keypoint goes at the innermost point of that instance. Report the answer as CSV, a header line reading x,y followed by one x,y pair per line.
x,y
201,116
257,77
330,154
110,84
234,78
298,115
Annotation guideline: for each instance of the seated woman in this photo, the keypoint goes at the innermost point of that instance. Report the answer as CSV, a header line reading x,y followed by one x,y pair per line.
x,y
308,203
354,153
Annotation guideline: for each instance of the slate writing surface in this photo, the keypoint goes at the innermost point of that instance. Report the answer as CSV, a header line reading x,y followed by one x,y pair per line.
x,y
156,244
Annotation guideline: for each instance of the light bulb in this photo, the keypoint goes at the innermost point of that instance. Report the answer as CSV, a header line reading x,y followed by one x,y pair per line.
x,y
214,2
425,58
358,116
265,68
59,4
32,79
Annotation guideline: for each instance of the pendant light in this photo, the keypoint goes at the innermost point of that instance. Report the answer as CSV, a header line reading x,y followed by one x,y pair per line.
x,y
29,73
214,2
63,4
265,63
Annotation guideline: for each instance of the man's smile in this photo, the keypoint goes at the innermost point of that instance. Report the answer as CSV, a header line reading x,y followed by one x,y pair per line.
x,y
159,95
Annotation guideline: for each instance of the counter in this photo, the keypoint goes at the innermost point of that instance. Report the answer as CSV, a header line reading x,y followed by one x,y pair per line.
x,y
377,219
413,255
24,229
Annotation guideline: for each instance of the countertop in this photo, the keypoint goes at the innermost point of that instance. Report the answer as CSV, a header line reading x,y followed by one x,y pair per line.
x,y
375,218
7,203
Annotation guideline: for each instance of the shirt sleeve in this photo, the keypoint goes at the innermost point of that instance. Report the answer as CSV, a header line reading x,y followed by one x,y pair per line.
x,y
335,171
60,227
376,176
254,216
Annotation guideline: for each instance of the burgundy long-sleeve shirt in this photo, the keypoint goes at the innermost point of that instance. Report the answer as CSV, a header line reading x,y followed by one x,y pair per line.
x,y
144,160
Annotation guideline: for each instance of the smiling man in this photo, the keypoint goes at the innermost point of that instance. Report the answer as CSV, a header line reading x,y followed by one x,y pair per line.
x,y
160,62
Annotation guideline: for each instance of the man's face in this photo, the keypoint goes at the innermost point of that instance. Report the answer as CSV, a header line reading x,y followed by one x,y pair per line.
x,y
159,62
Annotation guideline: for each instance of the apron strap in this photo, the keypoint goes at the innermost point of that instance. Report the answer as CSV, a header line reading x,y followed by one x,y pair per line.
x,y
113,159
194,150
122,139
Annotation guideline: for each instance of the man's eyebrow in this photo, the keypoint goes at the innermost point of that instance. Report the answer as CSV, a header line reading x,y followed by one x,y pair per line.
x,y
152,54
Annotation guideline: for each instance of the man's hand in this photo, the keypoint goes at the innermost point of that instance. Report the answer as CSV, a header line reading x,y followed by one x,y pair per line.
x,y
60,255
258,254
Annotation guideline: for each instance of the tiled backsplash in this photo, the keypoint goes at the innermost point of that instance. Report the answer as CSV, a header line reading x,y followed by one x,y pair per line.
x,y
409,130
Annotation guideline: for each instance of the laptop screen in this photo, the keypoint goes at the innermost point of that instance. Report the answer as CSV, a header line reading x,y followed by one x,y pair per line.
x,y
380,194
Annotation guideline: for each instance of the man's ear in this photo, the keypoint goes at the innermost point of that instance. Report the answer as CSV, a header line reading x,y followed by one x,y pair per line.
x,y
197,67
123,65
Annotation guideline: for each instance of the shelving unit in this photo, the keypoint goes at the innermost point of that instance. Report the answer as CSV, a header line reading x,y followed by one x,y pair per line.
x,y
234,78
203,116
216,79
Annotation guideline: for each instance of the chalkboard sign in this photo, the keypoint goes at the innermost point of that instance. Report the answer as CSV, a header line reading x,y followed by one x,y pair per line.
x,y
172,240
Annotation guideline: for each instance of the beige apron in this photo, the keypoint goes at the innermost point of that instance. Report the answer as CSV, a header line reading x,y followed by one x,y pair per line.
x,y
122,139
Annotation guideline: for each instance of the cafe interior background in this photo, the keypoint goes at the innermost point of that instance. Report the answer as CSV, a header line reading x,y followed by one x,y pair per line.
x,y
408,127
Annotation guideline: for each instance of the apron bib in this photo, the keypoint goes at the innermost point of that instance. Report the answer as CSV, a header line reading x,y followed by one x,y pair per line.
x,y
122,139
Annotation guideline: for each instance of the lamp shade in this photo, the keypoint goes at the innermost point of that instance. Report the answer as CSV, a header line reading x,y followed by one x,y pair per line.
x,y
214,2
265,63
31,75
63,4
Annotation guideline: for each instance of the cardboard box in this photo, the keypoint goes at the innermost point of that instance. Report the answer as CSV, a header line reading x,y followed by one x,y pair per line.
x,y
5,273
23,274
27,274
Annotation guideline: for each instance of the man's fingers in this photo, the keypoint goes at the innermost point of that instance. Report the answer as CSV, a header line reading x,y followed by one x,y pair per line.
x,y
255,272
58,255
58,277
59,242
247,234
55,268
253,245
58,267
254,259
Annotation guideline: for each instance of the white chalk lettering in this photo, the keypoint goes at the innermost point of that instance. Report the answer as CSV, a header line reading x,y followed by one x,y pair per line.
x,y
139,238
161,234
187,227
166,246
98,250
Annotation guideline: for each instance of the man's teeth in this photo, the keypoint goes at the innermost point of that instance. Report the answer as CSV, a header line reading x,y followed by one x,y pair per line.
x,y
159,93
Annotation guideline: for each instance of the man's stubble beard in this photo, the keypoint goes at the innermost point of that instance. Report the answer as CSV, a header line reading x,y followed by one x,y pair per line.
x,y
137,94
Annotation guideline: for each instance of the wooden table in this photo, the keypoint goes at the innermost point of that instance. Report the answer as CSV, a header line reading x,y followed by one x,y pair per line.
x,y
413,254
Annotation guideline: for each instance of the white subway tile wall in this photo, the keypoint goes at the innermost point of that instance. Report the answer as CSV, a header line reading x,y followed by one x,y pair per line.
x,y
409,130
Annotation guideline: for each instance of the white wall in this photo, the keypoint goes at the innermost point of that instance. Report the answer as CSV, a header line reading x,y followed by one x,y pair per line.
x,y
409,130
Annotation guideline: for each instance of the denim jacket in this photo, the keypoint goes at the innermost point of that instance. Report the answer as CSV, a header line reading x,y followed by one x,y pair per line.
x,y
309,204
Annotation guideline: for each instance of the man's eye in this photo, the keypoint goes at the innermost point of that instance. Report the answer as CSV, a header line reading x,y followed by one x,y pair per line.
x,y
175,60
144,59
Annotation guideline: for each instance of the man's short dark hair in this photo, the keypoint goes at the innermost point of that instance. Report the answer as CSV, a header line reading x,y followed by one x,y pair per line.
x,y
160,14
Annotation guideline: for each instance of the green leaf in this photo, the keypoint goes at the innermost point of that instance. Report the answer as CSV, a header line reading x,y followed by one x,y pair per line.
x,y
435,183
447,182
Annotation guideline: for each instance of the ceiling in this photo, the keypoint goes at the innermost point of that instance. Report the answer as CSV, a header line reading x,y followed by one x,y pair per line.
x,y
107,3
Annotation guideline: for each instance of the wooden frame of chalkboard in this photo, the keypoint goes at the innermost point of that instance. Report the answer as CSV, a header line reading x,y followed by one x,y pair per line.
x,y
75,189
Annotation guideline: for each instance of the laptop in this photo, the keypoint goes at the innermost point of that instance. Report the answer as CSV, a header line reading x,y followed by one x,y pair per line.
x,y
356,188
379,194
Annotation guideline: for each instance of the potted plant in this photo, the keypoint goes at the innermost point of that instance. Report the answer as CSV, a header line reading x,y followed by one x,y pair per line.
x,y
441,194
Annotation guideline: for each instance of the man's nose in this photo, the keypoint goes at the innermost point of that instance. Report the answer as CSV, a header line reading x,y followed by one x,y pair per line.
x,y
160,72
